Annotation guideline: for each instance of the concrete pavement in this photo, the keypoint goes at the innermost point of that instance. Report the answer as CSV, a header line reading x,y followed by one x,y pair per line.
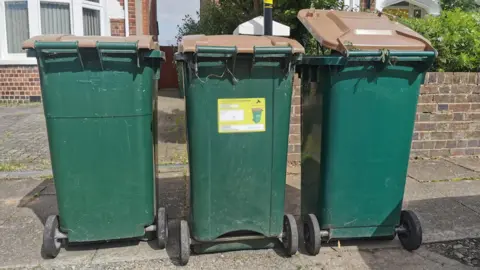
x,y
449,210
24,143
445,193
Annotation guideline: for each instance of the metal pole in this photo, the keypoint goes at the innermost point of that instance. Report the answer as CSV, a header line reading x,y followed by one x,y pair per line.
x,y
267,17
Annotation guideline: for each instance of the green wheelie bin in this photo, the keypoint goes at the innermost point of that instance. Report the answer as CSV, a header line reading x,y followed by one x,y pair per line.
x,y
99,99
238,93
358,112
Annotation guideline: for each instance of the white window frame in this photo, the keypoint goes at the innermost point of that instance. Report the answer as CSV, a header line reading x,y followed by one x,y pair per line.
x,y
352,5
37,14
35,28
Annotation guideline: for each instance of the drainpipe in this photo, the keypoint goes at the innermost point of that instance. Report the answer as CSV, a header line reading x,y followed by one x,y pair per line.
x,y
127,23
267,17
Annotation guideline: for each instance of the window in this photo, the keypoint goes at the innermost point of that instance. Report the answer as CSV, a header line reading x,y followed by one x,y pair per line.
x,y
91,22
352,5
16,20
22,19
55,18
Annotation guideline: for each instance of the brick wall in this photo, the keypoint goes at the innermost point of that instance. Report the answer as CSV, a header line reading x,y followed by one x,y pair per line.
x,y
448,116
117,27
131,17
19,84
447,120
132,21
294,138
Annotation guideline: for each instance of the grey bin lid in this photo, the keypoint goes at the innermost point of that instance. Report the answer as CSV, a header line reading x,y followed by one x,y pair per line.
x,y
346,31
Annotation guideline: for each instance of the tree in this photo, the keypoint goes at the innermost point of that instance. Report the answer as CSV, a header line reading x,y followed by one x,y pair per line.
x,y
224,17
465,5
219,19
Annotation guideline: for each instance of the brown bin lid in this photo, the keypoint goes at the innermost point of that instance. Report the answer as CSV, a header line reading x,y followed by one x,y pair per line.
x,y
342,30
144,42
244,44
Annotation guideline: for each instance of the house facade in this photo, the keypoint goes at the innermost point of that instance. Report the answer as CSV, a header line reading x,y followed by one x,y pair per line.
x,y
22,19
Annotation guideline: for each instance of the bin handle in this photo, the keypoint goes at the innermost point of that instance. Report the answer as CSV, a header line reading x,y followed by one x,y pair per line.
x,y
272,51
391,53
387,56
216,50
58,47
117,47
63,46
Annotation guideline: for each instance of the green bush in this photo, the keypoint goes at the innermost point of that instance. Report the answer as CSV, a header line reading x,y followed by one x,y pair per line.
x,y
455,34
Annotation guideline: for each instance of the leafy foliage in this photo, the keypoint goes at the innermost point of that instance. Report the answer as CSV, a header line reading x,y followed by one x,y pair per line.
x,y
224,17
456,36
465,5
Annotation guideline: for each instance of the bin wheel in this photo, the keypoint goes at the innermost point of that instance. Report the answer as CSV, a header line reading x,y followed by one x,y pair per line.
x,y
290,235
162,228
311,233
411,238
51,246
184,243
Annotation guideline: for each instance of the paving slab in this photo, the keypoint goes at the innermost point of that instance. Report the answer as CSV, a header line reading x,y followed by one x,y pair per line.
x,y
466,192
7,208
269,259
445,219
22,240
25,174
125,251
172,193
472,163
171,128
443,212
438,170
415,191
293,195
17,189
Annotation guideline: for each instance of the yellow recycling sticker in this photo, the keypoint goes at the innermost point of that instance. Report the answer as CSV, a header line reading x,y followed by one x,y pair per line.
x,y
241,115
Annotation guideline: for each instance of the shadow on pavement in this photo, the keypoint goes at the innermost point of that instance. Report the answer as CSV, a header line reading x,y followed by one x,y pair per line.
x,y
169,93
442,219
42,200
173,194
171,127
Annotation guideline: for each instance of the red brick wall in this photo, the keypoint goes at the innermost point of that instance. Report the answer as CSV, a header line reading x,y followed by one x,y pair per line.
x,y
448,116
19,84
131,16
294,138
117,27
447,120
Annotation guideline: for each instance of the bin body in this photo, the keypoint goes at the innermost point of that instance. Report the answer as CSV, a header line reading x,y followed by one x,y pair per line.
x,y
237,117
238,179
99,112
357,125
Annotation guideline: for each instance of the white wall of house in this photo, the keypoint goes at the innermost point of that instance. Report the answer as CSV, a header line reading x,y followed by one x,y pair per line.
x,y
115,10
22,19
352,5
